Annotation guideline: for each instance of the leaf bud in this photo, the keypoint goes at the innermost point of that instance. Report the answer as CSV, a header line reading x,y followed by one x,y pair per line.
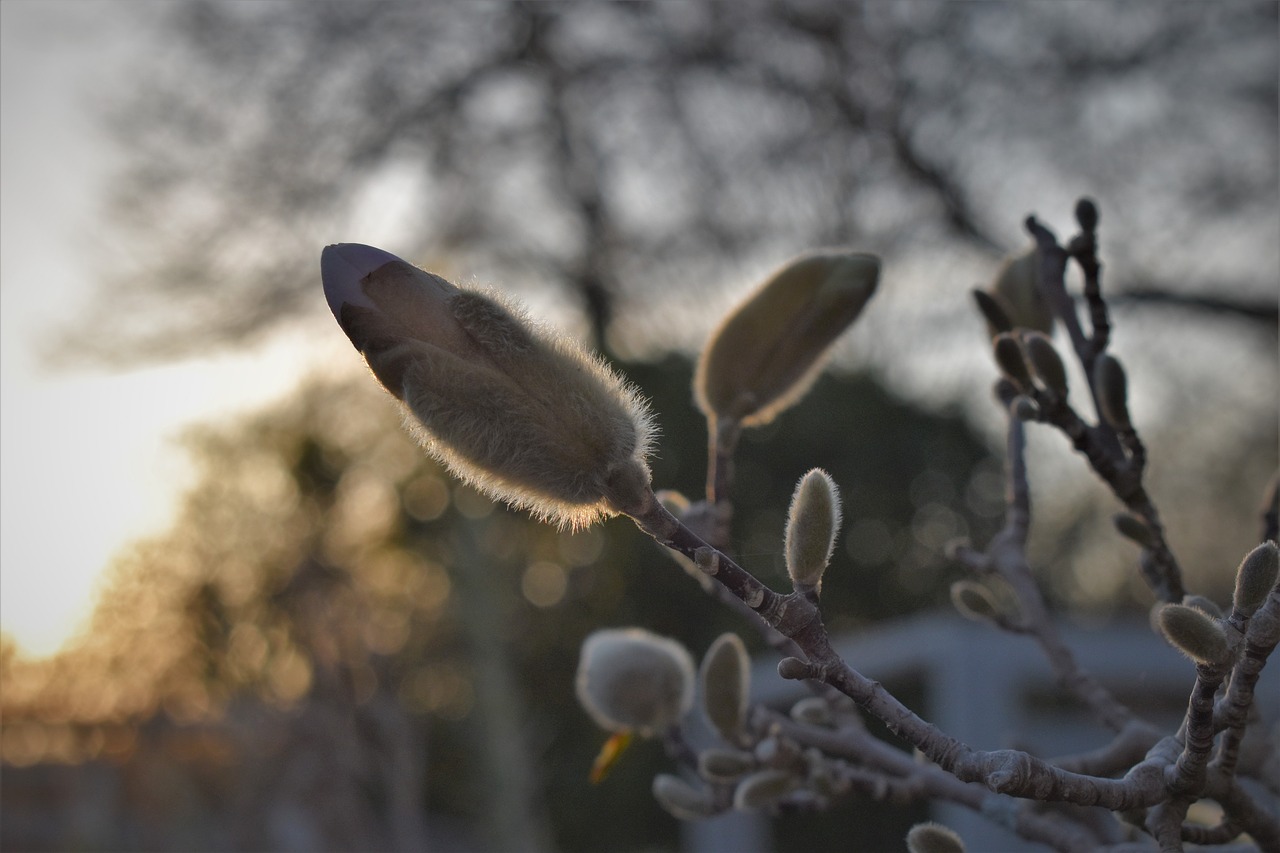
x,y
632,680
1046,362
1112,388
1134,529
1011,360
680,799
812,711
974,601
1256,577
812,524
766,353
933,838
523,414
762,789
1017,285
794,669
725,765
1087,215
726,682
1195,634
993,312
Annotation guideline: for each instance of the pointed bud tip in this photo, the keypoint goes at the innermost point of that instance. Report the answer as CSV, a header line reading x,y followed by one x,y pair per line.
x,y
343,266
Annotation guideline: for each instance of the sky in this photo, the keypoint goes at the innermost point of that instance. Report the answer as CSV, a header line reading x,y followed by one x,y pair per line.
x,y
89,459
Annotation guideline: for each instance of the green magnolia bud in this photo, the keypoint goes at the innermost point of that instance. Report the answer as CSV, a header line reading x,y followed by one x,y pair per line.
x,y
1194,633
1018,287
680,799
993,312
933,838
632,680
522,414
1133,528
1256,577
726,683
725,765
762,789
766,354
1112,388
1047,363
1011,360
812,523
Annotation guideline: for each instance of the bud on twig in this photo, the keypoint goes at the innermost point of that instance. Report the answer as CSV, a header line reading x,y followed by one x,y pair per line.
x,y
725,765
767,353
763,789
1047,363
1011,360
524,415
812,523
1017,285
1195,634
1207,606
1255,578
1112,388
933,838
726,682
632,680
993,312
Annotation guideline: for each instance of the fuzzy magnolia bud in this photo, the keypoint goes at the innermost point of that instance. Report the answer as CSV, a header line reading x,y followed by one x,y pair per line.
x,y
763,789
1046,362
523,414
1011,360
1195,634
1255,577
725,765
632,680
767,353
1017,287
680,799
812,524
1205,605
1112,388
933,838
812,711
726,682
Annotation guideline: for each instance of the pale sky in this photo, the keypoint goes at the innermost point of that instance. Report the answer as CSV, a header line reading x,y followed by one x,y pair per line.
x,y
87,458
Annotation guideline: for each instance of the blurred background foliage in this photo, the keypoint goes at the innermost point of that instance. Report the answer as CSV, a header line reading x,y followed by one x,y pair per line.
x,y
337,646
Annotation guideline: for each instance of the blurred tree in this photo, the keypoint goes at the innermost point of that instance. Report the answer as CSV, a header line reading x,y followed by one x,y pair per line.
x,y
617,153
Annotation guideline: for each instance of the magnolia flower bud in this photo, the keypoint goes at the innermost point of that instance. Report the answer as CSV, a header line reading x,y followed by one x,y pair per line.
x,y
632,680
812,523
763,789
993,312
1017,287
1205,605
515,410
725,765
933,838
1011,360
1046,362
1112,388
726,682
1255,577
1195,634
680,799
767,353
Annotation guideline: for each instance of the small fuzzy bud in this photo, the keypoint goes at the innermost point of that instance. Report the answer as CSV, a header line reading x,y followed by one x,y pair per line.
x,y
1112,388
1018,287
793,669
1134,529
763,789
766,354
993,312
725,765
1199,602
1011,360
812,523
974,601
680,799
1046,362
933,838
812,711
726,681
524,415
632,680
1255,577
1195,634
1087,215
